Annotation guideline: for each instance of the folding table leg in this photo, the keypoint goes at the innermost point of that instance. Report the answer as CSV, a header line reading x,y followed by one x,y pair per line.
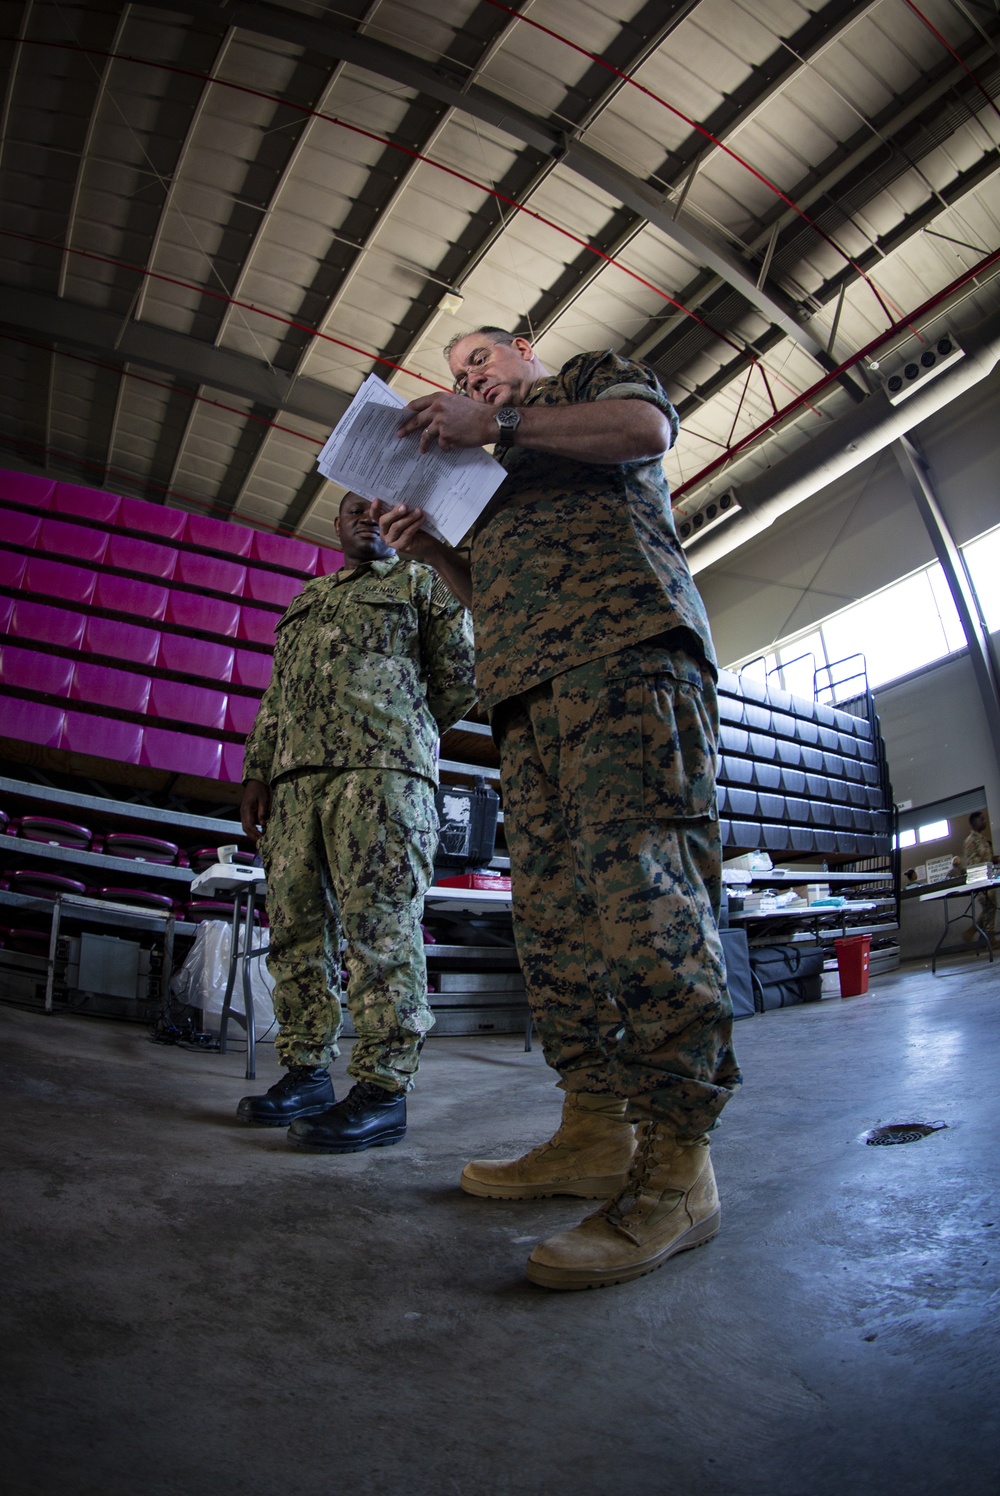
x,y
234,955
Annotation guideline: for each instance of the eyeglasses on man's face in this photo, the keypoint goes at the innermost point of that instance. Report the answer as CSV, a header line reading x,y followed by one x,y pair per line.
x,y
478,359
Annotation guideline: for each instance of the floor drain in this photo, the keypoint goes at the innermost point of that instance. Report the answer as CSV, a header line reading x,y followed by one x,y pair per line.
x,y
901,1132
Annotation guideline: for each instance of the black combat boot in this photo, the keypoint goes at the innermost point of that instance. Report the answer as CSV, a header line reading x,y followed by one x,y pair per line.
x,y
368,1117
301,1091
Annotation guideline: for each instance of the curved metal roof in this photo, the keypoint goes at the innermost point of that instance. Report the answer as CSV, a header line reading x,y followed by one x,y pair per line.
x,y
218,218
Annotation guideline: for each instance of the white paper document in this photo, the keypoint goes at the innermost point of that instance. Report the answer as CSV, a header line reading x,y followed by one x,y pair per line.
x,y
365,455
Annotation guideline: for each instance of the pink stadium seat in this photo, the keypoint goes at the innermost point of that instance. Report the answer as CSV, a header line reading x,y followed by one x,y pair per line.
x,y
271,587
59,581
6,614
17,528
201,657
180,752
26,488
141,848
232,763
206,615
12,569
143,556
328,561
75,542
210,572
154,519
43,885
218,535
53,833
121,641
46,624
258,625
100,737
92,503
28,722
28,942
142,898
240,713
199,910
253,668
182,703
126,595
284,550
119,690
30,670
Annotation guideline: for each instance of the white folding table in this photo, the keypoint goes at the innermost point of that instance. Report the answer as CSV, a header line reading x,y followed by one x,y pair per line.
x,y
966,891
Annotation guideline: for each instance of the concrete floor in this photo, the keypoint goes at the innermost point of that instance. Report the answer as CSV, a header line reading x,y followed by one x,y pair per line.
x,y
191,1307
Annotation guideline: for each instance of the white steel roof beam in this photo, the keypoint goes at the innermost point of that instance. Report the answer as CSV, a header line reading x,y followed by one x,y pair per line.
x,y
655,207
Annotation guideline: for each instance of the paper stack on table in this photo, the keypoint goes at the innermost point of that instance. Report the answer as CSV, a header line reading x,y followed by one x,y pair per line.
x,y
365,455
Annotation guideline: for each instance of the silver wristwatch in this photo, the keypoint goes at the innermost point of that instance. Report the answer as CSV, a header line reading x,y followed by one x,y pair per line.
x,y
508,419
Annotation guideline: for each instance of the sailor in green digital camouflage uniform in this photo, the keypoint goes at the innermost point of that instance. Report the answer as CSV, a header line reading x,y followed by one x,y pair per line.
x,y
595,659
371,664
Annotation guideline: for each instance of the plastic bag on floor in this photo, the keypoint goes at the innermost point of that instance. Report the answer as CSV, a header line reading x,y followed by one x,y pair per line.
x,y
201,981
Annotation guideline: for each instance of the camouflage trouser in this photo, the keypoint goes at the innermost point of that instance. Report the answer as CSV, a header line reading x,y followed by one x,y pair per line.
x,y
350,851
986,911
608,776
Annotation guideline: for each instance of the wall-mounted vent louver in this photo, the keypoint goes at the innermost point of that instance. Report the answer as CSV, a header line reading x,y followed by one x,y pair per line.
x,y
691,526
923,364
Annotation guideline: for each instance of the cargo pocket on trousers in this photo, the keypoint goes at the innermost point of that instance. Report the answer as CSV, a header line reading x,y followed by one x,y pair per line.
x,y
421,843
670,772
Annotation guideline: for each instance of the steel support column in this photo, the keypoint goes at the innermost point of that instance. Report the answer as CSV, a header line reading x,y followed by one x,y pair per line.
x,y
984,665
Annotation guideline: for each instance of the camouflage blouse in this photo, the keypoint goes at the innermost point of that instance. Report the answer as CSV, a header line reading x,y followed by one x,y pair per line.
x,y
572,561
369,667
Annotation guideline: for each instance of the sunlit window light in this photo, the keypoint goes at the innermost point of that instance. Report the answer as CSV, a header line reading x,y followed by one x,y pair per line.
x,y
900,629
982,557
933,831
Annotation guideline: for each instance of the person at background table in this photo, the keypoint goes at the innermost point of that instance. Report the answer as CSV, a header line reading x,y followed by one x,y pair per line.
x,y
978,849
371,665
595,661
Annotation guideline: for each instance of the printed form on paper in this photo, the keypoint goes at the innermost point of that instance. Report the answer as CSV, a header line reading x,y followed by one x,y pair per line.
x,y
364,454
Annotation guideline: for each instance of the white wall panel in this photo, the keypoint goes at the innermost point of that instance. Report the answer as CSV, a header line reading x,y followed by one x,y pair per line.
x,y
857,535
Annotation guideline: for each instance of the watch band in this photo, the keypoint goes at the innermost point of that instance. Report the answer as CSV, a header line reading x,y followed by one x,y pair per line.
x,y
508,418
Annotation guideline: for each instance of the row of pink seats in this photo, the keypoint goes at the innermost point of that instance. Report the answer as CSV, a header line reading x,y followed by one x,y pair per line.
x,y
117,513
124,690
131,845
191,569
68,629
113,594
36,885
125,742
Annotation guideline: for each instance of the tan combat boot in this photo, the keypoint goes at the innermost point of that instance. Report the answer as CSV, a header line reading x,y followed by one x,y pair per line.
x,y
589,1156
670,1203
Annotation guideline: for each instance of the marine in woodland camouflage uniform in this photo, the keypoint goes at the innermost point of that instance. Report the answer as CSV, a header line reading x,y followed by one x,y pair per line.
x,y
595,659
370,666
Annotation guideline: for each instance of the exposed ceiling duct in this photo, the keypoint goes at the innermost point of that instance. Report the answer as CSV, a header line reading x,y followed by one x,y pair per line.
x,y
846,443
